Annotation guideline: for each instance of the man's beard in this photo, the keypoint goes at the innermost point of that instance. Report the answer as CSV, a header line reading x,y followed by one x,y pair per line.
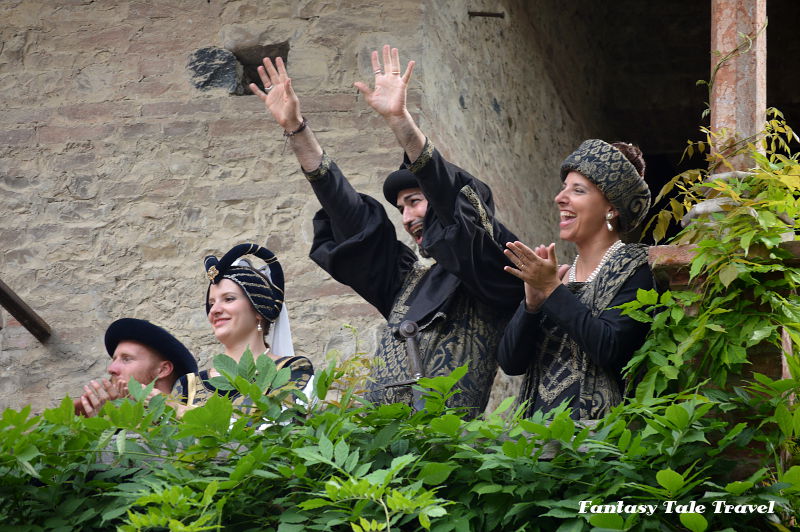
x,y
422,253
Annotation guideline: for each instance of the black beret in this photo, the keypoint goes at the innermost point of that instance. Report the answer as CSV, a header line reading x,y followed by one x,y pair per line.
x,y
397,181
153,336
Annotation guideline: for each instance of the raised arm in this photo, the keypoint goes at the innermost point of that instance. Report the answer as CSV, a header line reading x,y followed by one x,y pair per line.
x,y
339,200
284,105
388,99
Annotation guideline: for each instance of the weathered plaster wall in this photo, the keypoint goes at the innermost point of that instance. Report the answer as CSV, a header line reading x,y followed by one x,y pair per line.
x,y
117,176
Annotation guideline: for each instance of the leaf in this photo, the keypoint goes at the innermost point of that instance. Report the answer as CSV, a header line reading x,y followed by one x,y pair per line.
x,y
792,476
694,522
571,525
670,480
624,440
341,452
609,521
226,366
647,297
728,274
325,447
562,428
784,420
213,417
678,416
434,473
738,487
121,440
28,453
448,424
486,487
313,504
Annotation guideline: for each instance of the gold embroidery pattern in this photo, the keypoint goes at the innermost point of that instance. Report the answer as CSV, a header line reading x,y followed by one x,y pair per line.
x,y
561,366
468,332
323,168
477,204
212,273
424,157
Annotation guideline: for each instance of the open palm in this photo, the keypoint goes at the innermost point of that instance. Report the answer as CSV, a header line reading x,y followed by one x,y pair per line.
x,y
388,98
278,96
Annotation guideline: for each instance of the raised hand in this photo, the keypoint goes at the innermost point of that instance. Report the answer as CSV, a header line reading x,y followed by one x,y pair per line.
x,y
278,96
388,98
537,268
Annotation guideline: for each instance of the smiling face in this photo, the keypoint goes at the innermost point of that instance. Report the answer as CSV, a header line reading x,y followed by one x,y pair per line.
x,y
231,314
413,205
583,209
132,359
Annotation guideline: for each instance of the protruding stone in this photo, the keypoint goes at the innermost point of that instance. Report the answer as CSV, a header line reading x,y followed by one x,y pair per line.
x,y
213,67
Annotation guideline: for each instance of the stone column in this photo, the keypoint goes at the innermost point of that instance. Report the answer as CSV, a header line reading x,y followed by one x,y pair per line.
x,y
739,90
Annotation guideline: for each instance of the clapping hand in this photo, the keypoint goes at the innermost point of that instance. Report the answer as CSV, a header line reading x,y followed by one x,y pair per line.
x,y
538,268
95,394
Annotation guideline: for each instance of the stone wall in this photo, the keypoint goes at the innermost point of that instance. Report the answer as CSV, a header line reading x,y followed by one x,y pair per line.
x,y
117,176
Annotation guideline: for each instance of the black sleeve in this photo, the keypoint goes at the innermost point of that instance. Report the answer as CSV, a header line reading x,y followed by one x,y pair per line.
x,y
610,338
354,240
462,233
514,353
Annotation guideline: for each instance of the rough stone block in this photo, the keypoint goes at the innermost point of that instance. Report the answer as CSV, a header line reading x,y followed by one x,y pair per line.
x,y
60,135
182,108
215,67
16,137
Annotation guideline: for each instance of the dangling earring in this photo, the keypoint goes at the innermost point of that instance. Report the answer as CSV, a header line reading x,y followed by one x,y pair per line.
x,y
258,327
609,217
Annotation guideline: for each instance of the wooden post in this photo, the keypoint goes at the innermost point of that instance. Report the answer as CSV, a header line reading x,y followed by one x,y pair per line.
x,y
739,90
23,313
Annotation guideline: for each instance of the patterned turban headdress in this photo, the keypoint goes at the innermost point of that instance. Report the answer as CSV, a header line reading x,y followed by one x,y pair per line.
x,y
262,286
615,176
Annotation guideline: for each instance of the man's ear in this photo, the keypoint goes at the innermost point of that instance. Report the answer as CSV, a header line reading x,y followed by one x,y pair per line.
x,y
165,368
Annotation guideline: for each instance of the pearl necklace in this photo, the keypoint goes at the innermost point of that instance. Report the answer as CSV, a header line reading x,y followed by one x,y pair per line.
x,y
607,255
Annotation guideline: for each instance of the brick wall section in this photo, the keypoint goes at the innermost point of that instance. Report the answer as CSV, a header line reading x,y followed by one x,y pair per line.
x,y
117,177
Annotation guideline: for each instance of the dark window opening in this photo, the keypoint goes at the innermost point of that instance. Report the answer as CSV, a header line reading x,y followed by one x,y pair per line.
x,y
251,58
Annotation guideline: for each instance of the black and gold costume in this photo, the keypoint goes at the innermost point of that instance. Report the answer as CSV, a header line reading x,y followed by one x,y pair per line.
x,y
575,346
195,389
461,303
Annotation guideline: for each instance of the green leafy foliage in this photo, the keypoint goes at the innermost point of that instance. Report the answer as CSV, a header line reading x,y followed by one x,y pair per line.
x,y
363,467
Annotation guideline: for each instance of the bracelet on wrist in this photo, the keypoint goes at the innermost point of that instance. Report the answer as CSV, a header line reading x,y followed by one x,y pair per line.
x,y
302,126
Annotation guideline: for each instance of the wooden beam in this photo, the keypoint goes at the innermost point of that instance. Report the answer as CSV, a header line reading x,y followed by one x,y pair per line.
x,y
23,313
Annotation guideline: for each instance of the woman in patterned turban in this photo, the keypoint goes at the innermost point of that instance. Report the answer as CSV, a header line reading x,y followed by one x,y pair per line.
x,y
565,337
245,307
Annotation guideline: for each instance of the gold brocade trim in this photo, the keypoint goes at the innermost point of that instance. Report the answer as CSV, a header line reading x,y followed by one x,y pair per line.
x,y
322,169
424,157
476,202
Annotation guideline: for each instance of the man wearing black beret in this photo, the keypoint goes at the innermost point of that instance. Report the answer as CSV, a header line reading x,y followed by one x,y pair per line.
x,y
462,302
140,350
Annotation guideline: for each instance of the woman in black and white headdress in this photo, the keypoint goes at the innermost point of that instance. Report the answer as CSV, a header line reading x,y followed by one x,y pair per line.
x,y
566,337
245,306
